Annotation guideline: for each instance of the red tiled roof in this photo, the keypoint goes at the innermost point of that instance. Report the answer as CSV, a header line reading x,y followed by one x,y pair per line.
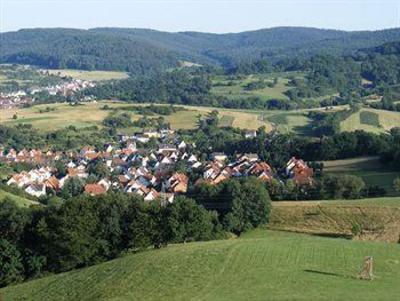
x,y
95,189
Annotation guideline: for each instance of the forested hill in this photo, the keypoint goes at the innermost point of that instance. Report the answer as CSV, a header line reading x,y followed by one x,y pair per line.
x,y
141,51
81,49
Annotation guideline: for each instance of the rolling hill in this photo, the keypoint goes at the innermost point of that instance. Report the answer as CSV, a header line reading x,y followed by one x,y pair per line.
x,y
141,51
262,265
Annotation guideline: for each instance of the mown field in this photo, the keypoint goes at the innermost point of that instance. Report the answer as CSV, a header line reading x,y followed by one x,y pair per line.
x,y
371,120
90,75
368,168
261,265
365,219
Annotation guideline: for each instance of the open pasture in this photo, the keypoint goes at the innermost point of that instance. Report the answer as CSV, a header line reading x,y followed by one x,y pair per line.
x,y
368,168
371,120
88,114
261,265
233,87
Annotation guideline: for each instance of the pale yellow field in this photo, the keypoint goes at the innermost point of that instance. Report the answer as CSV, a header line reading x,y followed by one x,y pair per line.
x,y
90,114
90,75
242,119
64,115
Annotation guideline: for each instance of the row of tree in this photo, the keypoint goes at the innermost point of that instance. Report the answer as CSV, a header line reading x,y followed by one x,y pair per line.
x,y
84,230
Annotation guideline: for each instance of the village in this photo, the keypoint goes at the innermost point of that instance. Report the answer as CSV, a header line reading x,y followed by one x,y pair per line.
x,y
160,173
20,98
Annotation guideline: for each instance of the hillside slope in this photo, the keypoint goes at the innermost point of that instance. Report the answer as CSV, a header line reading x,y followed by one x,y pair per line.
x,y
142,51
81,49
264,265
20,201
370,219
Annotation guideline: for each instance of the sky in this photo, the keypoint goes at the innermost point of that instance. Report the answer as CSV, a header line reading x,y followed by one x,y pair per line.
x,y
217,16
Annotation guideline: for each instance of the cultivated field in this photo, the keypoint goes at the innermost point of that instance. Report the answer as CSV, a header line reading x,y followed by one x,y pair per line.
x,y
296,121
371,120
90,75
368,168
262,265
89,114
289,122
367,219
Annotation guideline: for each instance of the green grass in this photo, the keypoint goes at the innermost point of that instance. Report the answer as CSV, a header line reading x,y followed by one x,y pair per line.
x,y
290,122
237,90
378,218
226,120
368,168
262,265
90,114
369,118
20,201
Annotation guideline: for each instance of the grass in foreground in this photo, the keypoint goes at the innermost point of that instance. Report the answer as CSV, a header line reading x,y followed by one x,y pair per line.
x,y
262,265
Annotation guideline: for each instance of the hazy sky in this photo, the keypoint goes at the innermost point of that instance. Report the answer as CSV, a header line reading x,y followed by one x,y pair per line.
x,y
200,15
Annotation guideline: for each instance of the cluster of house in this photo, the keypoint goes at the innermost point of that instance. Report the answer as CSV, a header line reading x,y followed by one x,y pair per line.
x,y
161,173
14,99
66,88
19,98
149,174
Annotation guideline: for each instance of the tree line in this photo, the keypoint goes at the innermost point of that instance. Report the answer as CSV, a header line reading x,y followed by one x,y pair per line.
x,y
84,230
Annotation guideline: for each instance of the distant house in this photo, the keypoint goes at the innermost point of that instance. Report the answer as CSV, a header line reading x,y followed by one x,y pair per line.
x,y
36,189
250,134
53,183
219,157
151,134
95,189
182,145
248,157
299,171
261,170
166,148
177,183
151,195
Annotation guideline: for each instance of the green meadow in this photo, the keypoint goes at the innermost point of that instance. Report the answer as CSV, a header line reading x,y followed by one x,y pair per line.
x,y
261,265
370,169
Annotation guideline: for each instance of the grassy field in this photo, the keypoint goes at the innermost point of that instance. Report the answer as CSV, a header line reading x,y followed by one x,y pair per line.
x,y
63,115
235,88
90,75
89,114
20,201
294,122
261,265
368,168
371,120
376,219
